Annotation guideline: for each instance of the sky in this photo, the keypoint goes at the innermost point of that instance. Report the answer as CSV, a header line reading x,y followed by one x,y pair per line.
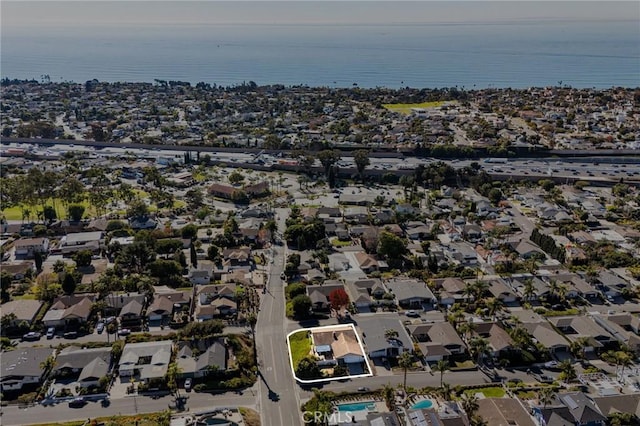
x,y
28,14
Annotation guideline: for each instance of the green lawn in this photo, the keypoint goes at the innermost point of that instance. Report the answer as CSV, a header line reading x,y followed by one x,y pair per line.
x,y
493,392
338,243
300,346
406,108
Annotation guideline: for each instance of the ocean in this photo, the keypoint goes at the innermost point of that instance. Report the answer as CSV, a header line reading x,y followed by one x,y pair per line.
x,y
519,54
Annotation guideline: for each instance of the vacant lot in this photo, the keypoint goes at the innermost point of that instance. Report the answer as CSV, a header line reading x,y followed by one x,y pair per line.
x,y
406,108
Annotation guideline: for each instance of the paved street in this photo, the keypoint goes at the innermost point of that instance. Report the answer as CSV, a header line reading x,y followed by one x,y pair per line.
x,y
130,405
278,404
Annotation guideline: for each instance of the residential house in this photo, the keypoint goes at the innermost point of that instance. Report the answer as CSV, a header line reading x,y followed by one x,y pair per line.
x,y
84,365
623,326
501,291
629,403
573,408
411,293
213,358
237,258
546,335
449,414
338,347
165,304
146,360
452,290
142,222
503,412
377,344
500,343
437,340
69,311
417,230
72,243
367,262
526,249
202,274
22,367
24,310
582,326
319,294
216,301
611,284
27,247
18,271
462,253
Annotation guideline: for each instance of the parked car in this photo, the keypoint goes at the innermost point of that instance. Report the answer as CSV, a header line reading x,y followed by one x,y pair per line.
x,y
32,335
100,327
70,335
124,332
412,314
187,384
77,402
51,331
110,320
363,389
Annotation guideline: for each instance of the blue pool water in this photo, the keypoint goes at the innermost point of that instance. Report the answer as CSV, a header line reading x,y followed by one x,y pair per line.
x,y
358,406
425,403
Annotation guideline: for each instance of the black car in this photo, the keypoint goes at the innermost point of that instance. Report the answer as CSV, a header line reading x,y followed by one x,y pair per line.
x,y
77,402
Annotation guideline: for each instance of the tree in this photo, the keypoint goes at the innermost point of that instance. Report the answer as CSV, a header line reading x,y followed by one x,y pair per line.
x,y
135,257
338,299
405,361
578,346
194,198
193,255
469,404
173,371
137,209
390,245
76,211
164,270
252,321
308,369
361,158
83,258
49,214
388,393
479,347
441,366
213,253
546,396
328,158
567,371
189,231
301,305
68,283
235,177
38,259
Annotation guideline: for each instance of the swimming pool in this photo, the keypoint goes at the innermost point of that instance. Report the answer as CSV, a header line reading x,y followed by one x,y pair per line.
x,y
425,403
357,406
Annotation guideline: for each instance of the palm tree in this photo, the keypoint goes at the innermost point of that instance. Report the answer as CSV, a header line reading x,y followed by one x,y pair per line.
x,y
567,371
579,345
494,305
172,378
405,361
520,336
529,289
479,347
388,394
441,366
466,328
546,396
469,404
554,289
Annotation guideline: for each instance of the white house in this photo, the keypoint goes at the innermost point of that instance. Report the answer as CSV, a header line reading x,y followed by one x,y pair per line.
x,y
27,247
